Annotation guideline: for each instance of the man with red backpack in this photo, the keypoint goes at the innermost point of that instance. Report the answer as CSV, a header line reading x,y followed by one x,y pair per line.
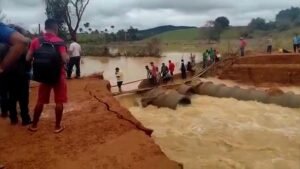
x,y
49,57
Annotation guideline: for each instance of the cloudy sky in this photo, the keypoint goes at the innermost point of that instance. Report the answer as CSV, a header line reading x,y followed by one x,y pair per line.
x,y
150,13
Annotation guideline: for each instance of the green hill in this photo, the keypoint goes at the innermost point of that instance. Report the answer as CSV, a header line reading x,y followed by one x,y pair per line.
x,y
142,34
194,39
231,33
182,34
197,33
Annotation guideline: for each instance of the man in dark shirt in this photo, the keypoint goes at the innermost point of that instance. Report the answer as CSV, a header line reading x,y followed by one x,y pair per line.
x,y
17,46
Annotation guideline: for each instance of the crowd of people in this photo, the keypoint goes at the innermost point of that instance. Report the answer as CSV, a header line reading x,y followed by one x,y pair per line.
x,y
166,72
209,57
46,59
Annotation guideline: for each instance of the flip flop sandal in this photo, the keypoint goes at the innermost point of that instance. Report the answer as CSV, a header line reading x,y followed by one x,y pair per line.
x,y
57,131
32,129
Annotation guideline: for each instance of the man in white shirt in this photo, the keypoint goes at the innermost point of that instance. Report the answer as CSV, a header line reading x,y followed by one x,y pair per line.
x,y
120,78
75,56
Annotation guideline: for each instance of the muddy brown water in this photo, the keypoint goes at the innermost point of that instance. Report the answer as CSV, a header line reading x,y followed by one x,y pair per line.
x,y
212,133
133,68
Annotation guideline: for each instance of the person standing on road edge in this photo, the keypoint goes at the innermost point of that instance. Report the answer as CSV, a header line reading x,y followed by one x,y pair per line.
x,y
120,79
243,45
295,43
75,58
18,86
298,44
154,73
183,70
270,45
171,68
18,44
148,72
60,87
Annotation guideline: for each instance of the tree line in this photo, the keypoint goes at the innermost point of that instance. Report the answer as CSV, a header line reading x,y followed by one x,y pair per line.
x,y
285,20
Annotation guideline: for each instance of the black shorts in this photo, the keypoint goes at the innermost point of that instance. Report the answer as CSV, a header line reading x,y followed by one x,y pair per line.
x,y
119,84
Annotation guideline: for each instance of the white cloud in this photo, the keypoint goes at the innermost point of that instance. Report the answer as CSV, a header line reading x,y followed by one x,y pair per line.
x,y
146,14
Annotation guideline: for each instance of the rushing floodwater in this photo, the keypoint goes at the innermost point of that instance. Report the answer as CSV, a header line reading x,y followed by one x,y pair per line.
x,y
212,133
217,133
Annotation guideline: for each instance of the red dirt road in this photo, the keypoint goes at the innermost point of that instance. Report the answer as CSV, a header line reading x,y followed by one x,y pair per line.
x,y
94,137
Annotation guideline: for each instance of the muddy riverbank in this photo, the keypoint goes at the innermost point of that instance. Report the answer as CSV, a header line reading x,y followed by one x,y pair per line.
x,y
95,137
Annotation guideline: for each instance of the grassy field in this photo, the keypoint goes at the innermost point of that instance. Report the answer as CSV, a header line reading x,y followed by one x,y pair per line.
x,y
193,40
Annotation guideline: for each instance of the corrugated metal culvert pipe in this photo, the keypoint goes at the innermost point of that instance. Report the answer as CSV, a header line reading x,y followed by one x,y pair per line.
x,y
220,90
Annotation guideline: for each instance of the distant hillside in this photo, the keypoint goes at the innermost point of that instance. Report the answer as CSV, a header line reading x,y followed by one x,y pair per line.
x,y
158,30
231,33
198,33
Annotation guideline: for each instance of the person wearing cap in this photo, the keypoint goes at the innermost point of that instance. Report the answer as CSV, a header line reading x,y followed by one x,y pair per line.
x,y
119,76
243,45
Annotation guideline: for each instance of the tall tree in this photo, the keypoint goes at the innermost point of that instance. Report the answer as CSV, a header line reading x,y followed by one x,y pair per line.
x,y
132,34
288,18
257,24
212,34
70,12
121,35
86,25
222,23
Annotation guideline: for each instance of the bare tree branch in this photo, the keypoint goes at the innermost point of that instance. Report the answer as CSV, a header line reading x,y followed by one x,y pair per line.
x,y
71,11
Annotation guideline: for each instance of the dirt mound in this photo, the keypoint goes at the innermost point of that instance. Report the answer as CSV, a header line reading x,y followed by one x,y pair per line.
x,y
261,69
99,134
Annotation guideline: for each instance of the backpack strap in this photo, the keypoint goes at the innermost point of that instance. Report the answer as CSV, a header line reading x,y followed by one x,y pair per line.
x,y
56,44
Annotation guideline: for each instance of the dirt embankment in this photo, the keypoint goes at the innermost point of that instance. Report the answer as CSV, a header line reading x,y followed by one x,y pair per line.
x,y
262,69
95,137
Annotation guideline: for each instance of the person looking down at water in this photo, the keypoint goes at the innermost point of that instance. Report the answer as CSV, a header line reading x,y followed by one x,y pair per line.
x,y
120,79
212,55
18,86
171,67
269,45
183,70
59,87
75,58
164,70
205,59
148,72
295,43
154,73
15,44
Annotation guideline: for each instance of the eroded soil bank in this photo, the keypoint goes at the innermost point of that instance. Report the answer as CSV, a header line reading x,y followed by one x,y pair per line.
x,y
261,69
99,134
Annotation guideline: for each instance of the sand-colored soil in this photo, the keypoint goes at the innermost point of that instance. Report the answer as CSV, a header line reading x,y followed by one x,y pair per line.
x,y
94,138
